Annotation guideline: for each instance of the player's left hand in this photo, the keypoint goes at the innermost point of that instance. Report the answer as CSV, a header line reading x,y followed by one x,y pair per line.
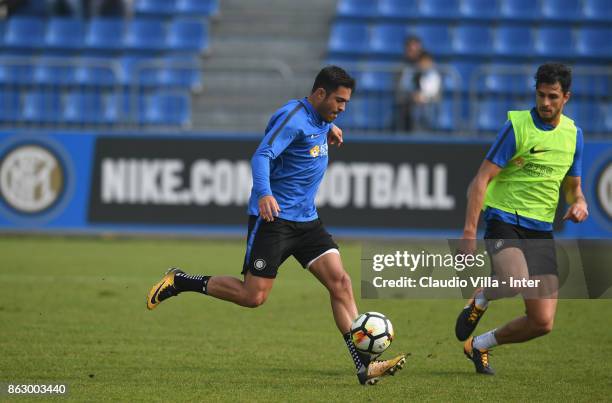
x,y
334,136
577,212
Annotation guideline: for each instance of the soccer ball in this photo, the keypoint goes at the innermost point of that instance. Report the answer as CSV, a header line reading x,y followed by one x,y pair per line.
x,y
372,333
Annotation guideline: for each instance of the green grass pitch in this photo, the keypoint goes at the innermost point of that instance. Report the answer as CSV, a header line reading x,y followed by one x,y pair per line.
x,y
73,311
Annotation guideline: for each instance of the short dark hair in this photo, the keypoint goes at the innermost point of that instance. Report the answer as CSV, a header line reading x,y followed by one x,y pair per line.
x,y
551,73
332,77
425,55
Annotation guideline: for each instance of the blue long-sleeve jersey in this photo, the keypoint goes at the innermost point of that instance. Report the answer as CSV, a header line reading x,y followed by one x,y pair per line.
x,y
290,161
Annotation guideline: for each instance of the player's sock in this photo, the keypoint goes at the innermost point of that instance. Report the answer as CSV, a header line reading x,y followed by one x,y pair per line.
x,y
187,282
485,341
480,300
359,359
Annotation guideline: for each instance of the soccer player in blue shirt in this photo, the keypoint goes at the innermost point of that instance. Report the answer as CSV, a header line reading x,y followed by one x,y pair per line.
x,y
287,168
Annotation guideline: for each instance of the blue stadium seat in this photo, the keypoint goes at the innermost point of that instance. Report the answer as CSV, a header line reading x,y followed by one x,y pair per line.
x,y
145,34
155,7
33,7
180,71
64,33
54,71
436,38
135,69
513,82
394,9
206,8
168,109
461,82
520,10
9,105
82,107
606,111
348,38
356,8
562,10
597,10
513,41
16,71
439,9
375,81
41,106
387,40
491,114
587,115
96,72
368,112
587,85
447,118
595,42
105,34
479,9
473,40
554,42
89,107
25,32
187,34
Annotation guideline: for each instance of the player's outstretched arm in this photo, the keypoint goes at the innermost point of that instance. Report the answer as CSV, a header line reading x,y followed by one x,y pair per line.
x,y
578,210
476,195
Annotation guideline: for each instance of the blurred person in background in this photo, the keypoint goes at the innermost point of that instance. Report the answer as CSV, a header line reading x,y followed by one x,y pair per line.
x,y
419,93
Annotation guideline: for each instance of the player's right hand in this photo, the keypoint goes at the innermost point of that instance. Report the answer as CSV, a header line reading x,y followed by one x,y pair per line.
x,y
268,208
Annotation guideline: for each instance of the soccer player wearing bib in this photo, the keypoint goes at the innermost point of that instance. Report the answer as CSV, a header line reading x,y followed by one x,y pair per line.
x,y
536,153
287,168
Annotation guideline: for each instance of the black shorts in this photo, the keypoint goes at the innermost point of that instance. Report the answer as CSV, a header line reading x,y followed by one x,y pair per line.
x,y
269,244
538,246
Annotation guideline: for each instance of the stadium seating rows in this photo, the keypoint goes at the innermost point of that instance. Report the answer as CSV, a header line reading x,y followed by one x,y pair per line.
x,y
61,70
22,33
507,41
492,48
377,113
166,8
95,107
172,71
548,11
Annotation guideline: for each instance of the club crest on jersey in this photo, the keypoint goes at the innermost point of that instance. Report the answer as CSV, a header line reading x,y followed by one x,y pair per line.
x,y
520,162
318,151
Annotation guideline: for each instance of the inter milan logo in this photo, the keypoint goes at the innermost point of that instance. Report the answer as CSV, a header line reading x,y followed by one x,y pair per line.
x,y
259,264
31,179
519,162
604,189
499,243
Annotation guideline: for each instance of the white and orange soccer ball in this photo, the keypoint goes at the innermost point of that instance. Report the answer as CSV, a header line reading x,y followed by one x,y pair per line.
x,y
372,333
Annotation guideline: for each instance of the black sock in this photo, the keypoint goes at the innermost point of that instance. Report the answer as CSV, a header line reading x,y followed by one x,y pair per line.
x,y
187,282
359,359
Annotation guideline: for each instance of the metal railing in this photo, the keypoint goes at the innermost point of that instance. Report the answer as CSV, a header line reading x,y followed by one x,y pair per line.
x,y
90,93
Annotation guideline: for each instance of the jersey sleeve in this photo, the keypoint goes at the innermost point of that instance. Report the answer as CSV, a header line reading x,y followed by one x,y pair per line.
x,y
576,168
276,140
504,147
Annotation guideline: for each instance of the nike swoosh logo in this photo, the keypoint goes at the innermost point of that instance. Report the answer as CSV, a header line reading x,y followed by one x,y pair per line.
x,y
155,293
534,151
